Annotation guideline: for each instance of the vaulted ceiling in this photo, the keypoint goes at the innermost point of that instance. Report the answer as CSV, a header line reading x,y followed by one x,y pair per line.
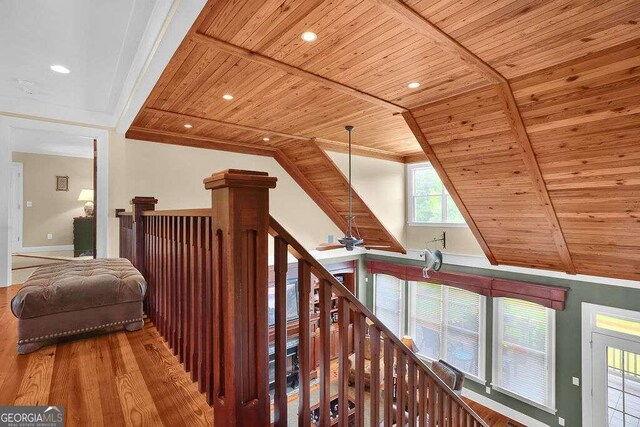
x,y
528,110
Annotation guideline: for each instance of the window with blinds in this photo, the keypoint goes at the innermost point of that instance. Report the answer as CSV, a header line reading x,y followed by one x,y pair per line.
x,y
388,302
523,354
448,323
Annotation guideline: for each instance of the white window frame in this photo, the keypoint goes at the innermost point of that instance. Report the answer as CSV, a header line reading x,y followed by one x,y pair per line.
x,y
403,285
482,336
411,200
497,358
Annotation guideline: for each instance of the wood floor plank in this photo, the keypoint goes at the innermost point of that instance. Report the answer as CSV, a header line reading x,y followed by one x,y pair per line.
x,y
36,383
137,404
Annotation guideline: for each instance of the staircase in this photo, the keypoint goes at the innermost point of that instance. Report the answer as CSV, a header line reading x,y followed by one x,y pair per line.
x,y
207,271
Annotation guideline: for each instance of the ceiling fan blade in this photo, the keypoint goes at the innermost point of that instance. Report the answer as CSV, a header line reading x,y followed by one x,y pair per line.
x,y
376,246
328,246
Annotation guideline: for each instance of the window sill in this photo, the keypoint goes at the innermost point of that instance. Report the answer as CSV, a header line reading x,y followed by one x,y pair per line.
x,y
524,399
439,225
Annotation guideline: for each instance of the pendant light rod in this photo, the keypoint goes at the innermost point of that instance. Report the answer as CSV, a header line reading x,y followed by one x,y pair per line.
x,y
350,219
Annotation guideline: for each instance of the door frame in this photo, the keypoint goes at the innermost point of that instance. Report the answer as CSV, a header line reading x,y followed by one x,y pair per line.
x,y
16,213
589,312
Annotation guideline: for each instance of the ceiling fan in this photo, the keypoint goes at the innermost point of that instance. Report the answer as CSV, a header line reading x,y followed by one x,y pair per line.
x,y
349,241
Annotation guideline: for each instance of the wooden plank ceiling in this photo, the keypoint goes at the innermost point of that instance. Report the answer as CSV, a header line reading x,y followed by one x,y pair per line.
x,y
528,110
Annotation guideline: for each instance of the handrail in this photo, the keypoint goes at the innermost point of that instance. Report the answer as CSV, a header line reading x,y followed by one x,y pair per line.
x,y
276,230
179,212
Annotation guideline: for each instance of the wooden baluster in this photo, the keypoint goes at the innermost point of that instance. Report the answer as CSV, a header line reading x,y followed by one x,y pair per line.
x,y
194,298
209,304
432,401
280,269
184,272
201,305
388,382
441,406
181,289
178,286
401,389
148,224
412,391
359,327
343,363
240,210
163,277
422,403
140,204
374,384
325,348
448,410
304,345
153,278
172,284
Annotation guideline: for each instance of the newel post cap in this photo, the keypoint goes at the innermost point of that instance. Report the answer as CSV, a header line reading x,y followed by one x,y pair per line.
x,y
239,178
144,200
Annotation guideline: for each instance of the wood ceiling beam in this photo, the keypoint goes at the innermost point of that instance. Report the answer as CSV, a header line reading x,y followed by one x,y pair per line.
x,y
198,141
290,69
442,173
405,14
423,26
326,144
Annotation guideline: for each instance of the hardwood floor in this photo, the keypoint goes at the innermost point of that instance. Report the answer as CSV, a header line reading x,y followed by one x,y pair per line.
x,y
493,418
118,379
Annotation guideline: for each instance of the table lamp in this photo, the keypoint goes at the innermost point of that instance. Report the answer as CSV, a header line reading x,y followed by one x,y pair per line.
x,y
86,195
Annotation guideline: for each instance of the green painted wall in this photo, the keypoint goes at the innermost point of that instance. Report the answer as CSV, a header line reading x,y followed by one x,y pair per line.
x,y
568,337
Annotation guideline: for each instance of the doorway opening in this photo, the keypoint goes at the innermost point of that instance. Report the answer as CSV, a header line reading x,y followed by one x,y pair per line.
x,y
611,366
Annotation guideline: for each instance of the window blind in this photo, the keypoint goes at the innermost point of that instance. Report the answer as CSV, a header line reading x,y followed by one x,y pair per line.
x,y
388,302
523,354
447,323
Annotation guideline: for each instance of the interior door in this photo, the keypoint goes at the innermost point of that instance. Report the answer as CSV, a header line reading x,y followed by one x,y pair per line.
x,y
616,381
16,209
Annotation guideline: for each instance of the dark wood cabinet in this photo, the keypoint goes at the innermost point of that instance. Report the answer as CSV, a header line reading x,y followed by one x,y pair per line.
x,y
83,235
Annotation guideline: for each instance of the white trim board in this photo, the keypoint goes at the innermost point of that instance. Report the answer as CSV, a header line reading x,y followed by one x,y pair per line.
x,y
477,261
180,16
53,248
589,311
502,409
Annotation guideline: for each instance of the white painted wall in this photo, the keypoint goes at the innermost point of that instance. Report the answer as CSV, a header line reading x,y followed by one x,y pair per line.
x,y
381,185
174,175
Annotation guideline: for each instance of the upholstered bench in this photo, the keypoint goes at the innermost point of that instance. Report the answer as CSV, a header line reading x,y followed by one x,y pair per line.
x,y
78,297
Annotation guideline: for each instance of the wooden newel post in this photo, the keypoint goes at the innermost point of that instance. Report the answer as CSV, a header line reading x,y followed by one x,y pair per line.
x,y
240,218
140,204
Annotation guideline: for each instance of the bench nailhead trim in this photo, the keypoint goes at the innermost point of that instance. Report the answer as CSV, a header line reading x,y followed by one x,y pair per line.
x,y
75,331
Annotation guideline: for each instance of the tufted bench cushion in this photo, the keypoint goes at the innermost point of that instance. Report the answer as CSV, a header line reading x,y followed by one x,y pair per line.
x,y
78,297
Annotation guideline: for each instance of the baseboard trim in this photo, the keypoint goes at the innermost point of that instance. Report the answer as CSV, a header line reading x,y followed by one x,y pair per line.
x,y
46,248
503,409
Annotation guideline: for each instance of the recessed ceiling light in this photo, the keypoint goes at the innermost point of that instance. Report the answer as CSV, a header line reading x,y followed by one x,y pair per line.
x,y
309,36
188,126
413,85
60,69
265,139
227,97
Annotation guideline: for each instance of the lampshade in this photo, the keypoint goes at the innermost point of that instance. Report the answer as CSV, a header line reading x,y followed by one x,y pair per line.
x,y
409,342
86,195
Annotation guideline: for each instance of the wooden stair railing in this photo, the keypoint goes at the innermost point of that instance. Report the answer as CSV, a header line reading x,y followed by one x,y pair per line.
x,y
207,274
429,401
